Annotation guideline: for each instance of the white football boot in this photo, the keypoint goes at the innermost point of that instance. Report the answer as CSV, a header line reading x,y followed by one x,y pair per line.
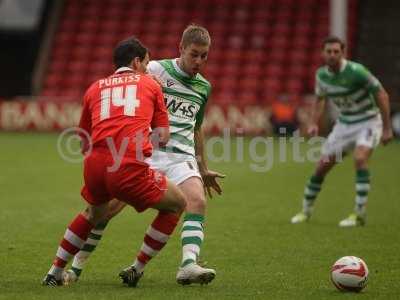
x,y
69,277
353,220
193,273
301,217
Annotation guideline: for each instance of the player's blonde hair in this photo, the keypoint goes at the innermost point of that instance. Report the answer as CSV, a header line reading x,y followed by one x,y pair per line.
x,y
195,34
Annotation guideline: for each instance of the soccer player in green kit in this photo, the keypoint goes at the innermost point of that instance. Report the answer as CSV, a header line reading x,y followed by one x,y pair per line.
x,y
183,161
363,122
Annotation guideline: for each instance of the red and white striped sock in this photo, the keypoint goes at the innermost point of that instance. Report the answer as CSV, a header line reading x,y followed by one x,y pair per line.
x,y
74,239
156,238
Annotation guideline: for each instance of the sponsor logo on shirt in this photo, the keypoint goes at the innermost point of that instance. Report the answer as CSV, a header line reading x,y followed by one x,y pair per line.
x,y
170,82
181,108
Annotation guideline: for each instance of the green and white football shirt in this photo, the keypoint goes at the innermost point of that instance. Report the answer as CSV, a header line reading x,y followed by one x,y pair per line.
x,y
352,90
185,98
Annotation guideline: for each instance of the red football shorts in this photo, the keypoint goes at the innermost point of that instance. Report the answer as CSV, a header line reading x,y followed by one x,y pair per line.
x,y
133,182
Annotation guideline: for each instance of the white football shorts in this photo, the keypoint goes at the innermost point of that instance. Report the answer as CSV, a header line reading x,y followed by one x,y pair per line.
x,y
177,167
345,137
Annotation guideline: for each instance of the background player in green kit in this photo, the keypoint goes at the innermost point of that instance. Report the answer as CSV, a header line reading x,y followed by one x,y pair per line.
x,y
364,121
183,161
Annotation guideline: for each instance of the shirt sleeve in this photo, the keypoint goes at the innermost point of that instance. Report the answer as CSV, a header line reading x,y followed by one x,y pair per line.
x,y
153,68
200,117
160,116
319,90
201,112
369,81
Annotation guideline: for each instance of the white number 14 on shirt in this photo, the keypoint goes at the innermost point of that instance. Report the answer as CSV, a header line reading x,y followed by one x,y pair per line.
x,y
115,96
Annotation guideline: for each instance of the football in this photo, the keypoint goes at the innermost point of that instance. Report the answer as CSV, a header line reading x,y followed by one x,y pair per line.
x,y
349,273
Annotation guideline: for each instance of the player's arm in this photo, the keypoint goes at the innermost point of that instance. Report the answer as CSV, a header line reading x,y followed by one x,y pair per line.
x,y
160,122
382,99
199,149
209,177
85,125
372,85
317,109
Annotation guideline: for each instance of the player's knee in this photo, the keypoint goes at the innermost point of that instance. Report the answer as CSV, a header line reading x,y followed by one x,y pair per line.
x,y
197,203
324,165
360,162
177,203
95,214
114,209
89,214
180,203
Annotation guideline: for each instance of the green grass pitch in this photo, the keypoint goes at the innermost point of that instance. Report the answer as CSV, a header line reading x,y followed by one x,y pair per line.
x,y
256,252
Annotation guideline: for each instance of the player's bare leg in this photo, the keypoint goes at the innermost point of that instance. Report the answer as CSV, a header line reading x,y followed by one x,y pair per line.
x,y
73,240
192,234
72,275
170,209
313,187
361,156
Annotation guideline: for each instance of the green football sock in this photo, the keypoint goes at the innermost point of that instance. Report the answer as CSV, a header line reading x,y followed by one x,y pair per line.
x,y
362,189
87,249
311,191
192,237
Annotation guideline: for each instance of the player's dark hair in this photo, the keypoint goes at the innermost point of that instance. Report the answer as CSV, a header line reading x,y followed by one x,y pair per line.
x,y
127,50
333,40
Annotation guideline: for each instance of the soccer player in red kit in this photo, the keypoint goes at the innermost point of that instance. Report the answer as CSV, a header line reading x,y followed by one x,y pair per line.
x,y
117,114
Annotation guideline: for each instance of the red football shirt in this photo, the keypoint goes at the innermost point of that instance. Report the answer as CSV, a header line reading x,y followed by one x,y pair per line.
x,y
119,110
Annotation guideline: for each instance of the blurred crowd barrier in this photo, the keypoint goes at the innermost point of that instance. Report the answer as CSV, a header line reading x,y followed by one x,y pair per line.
x,y
46,114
